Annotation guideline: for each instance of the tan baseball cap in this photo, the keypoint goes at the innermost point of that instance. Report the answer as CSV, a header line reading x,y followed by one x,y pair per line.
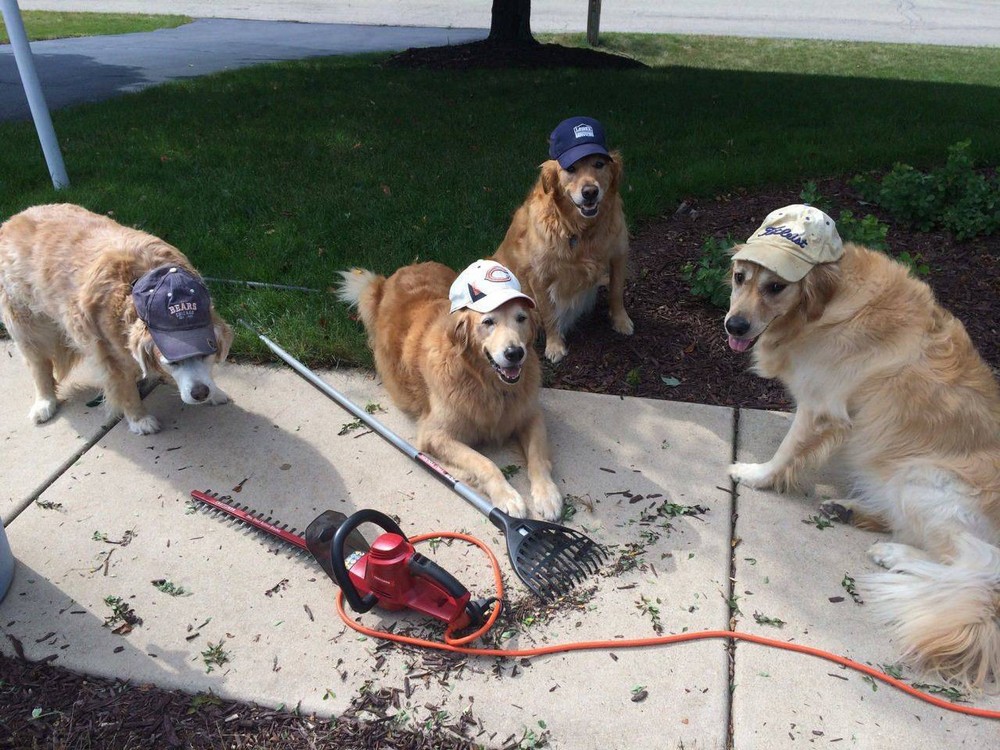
x,y
792,240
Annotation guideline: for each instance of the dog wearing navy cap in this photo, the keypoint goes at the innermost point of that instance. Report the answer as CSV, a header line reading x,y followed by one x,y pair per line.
x,y
76,285
569,238
455,353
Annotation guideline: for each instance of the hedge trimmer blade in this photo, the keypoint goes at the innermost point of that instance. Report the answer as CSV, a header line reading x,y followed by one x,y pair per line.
x,y
214,502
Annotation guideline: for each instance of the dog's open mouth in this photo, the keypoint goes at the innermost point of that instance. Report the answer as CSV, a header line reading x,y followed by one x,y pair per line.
x,y
740,345
509,375
589,210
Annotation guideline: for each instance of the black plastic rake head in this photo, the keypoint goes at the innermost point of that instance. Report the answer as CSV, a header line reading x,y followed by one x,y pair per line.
x,y
548,558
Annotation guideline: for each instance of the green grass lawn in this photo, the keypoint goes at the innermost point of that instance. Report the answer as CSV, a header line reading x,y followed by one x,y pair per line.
x,y
43,24
288,173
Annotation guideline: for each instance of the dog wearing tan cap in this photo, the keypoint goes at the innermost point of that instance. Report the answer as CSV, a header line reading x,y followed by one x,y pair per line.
x,y
455,353
883,374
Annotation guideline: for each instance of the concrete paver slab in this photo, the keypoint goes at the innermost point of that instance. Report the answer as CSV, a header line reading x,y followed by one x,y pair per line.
x,y
31,455
788,568
279,443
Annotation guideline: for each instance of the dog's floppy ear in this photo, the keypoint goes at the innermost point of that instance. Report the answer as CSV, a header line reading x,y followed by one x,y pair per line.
x,y
617,171
549,178
818,287
140,346
460,329
223,337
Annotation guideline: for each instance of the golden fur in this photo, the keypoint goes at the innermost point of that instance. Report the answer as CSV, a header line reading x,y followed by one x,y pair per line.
x,y
436,366
66,278
561,256
882,372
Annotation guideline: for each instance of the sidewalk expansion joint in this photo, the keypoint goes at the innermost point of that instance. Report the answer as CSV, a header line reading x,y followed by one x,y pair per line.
x,y
734,543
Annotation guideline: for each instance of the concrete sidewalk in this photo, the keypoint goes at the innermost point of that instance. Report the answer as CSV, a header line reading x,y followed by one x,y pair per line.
x,y
105,513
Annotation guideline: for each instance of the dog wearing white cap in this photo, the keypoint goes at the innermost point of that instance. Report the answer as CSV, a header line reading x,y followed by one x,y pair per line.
x,y
455,353
883,374
77,285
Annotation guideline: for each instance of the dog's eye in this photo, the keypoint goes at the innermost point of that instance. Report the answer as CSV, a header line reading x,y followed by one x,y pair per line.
x,y
571,169
521,317
488,322
598,164
776,288
739,277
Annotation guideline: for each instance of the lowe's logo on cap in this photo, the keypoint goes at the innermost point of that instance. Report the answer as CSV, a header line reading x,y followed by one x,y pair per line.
x,y
575,138
787,233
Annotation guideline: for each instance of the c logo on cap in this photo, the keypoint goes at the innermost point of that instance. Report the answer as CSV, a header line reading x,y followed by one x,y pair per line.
x,y
498,275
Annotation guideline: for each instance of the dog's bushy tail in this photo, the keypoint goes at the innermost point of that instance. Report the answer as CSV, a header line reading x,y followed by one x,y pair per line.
x,y
945,617
362,289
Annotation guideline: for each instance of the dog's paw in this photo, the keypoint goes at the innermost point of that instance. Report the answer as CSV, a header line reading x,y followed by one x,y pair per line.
x,y
43,410
218,397
758,476
622,324
546,500
146,425
836,511
891,555
555,349
510,502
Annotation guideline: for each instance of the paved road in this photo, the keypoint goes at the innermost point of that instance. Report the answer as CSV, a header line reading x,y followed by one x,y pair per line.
x,y
953,22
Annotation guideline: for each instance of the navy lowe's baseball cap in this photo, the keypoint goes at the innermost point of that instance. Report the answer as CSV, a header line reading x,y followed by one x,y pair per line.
x,y
575,138
177,308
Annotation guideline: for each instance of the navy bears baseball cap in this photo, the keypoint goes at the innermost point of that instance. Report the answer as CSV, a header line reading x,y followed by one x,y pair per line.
x,y
575,138
177,308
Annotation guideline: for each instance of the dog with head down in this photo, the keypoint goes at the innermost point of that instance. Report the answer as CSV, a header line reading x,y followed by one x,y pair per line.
x,y
455,353
77,285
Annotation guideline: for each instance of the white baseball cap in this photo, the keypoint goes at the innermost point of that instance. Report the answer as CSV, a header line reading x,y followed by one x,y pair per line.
x,y
792,240
484,286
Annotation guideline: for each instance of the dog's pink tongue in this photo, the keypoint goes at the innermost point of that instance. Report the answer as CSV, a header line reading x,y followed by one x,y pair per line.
x,y
511,373
739,345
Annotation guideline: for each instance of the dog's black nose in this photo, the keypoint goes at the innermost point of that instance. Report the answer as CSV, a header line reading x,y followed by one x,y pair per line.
x,y
590,193
737,325
514,354
199,392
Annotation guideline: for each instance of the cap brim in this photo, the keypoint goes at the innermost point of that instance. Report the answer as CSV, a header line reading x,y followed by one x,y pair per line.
x,y
571,156
179,345
493,300
774,258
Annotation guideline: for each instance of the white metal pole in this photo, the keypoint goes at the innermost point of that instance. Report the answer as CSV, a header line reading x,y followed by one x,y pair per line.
x,y
33,90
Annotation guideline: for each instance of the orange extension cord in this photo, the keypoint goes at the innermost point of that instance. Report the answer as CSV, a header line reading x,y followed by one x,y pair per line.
x,y
458,645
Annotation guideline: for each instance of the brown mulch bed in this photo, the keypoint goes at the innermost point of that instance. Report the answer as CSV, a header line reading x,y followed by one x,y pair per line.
x,y
677,337
494,55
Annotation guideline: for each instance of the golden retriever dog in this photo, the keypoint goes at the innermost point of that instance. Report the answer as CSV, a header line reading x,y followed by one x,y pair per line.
x,y
569,237
455,353
880,371
76,285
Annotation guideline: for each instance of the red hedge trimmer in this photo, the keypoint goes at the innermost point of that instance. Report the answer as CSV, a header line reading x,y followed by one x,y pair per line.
x,y
389,572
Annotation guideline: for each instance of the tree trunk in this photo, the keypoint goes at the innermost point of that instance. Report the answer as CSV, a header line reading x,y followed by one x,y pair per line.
x,y
511,22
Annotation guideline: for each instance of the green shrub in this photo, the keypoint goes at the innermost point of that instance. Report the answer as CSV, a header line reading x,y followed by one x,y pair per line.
x,y
709,277
868,231
954,197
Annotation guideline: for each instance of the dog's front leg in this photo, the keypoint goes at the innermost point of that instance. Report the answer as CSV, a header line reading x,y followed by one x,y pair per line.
x,y
809,442
546,499
555,344
620,320
471,467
